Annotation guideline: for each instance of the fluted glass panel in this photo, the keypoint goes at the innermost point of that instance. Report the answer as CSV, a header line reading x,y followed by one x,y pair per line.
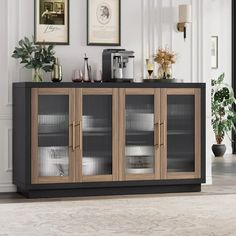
x,y
97,135
53,135
180,133
139,149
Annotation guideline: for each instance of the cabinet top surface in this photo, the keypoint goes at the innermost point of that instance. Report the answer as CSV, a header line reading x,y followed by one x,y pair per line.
x,y
108,85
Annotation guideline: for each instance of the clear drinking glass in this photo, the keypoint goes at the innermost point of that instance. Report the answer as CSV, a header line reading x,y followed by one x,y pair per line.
x,y
77,76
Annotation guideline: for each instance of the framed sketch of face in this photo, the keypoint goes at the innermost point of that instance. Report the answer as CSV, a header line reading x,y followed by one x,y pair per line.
x,y
51,22
103,22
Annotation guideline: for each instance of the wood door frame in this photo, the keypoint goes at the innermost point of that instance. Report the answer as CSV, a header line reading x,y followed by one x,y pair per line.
x,y
122,121
181,175
35,178
79,113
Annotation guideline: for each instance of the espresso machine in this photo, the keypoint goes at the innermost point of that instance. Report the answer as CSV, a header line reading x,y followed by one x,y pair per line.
x,y
117,65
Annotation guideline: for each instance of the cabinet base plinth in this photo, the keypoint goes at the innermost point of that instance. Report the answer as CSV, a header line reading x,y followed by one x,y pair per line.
x,y
109,191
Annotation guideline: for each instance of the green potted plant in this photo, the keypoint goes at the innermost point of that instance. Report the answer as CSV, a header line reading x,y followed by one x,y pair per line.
x,y
35,57
223,114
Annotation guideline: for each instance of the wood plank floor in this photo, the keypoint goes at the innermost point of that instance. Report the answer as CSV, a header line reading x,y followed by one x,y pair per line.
x,y
224,182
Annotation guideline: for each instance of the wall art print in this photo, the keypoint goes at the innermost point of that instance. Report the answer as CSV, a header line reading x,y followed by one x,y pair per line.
x,y
103,22
51,22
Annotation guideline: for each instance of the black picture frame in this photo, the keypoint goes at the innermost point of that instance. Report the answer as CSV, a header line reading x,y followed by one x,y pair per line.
x,y
118,29
56,31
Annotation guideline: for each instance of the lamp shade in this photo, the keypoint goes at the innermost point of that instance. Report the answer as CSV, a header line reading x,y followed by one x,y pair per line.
x,y
185,13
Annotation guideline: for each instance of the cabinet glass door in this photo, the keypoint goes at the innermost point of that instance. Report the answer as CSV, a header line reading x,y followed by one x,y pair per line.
x,y
140,142
181,133
52,115
99,134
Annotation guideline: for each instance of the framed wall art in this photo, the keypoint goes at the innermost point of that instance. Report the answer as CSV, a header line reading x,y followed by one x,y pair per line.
x,y
103,22
51,22
214,52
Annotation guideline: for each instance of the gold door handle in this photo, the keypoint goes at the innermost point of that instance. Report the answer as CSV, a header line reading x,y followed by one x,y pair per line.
x,y
73,136
157,134
80,135
163,124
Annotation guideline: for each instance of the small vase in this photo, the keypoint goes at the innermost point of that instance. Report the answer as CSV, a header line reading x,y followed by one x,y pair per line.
x,y
56,74
37,75
164,72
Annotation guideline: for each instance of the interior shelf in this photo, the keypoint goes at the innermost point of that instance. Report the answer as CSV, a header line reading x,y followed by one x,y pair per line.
x,y
96,154
180,132
174,170
94,132
139,133
54,134
183,155
97,129
55,139
139,170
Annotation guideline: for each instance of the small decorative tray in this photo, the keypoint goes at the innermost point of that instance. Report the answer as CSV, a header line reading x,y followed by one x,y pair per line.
x,y
162,81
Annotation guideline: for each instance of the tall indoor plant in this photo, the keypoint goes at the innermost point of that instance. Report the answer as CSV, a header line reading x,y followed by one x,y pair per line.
x,y
35,57
223,114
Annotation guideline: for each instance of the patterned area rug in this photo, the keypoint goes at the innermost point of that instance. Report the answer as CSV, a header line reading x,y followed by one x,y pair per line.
x,y
182,215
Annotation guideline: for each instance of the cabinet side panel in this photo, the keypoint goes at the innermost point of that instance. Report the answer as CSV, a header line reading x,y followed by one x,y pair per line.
x,y
21,136
203,135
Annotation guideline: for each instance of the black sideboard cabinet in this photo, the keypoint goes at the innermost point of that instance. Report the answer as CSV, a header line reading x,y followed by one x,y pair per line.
x,y
84,139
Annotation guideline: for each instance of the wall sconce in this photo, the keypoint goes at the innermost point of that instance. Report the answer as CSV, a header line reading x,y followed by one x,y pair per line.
x,y
185,16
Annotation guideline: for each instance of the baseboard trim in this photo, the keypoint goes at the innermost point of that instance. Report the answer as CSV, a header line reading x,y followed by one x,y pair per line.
x,y
110,191
7,188
208,180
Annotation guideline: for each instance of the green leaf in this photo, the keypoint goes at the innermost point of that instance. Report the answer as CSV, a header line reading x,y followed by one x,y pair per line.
x,y
221,78
27,41
24,62
50,48
16,56
47,68
213,82
21,43
29,66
